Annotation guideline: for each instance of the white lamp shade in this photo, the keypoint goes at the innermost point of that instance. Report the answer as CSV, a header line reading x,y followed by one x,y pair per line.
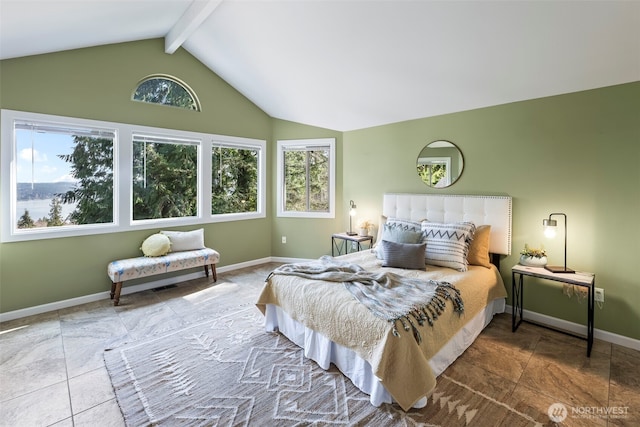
x,y
550,232
549,228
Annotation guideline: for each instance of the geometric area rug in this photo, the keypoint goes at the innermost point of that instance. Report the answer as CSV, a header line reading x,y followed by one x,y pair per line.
x,y
228,371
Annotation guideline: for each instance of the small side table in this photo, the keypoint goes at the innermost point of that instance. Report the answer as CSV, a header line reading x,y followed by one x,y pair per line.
x,y
517,294
340,242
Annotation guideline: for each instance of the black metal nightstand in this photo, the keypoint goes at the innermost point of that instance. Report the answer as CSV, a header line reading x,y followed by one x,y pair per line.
x,y
517,294
341,241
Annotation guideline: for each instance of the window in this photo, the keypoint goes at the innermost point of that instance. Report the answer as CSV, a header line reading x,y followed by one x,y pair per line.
x,y
435,171
234,179
63,176
165,177
306,178
166,90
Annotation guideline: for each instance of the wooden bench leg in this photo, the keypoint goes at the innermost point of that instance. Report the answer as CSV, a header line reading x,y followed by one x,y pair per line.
x,y
213,270
115,292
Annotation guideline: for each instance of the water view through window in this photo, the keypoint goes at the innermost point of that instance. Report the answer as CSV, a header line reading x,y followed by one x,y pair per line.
x,y
38,201
64,175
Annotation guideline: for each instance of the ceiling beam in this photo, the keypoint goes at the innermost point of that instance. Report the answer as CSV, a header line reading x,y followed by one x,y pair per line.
x,y
188,23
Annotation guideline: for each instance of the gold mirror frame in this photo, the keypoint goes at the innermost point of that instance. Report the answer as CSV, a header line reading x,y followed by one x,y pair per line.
x,y
440,164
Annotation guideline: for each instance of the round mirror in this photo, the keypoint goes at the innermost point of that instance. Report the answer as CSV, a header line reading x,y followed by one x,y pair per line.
x,y
440,164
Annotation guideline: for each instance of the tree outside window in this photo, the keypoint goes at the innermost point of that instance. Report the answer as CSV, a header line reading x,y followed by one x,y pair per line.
x,y
434,171
165,178
59,177
234,178
64,175
306,178
166,90
92,165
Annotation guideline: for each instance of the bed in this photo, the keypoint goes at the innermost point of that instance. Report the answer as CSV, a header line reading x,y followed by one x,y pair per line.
x,y
333,327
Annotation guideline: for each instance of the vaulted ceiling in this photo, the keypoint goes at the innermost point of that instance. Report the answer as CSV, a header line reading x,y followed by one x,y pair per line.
x,y
350,64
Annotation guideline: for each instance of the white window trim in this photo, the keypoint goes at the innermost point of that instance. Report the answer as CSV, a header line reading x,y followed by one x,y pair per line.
x,y
122,179
293,143
172,79
245,143
140,131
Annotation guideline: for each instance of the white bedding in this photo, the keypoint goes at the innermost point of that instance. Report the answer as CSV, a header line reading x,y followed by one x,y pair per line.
x,y
407,369
320,318
324,352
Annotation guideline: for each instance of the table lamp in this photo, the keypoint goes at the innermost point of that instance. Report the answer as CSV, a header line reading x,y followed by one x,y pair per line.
x,y
352,213
550,232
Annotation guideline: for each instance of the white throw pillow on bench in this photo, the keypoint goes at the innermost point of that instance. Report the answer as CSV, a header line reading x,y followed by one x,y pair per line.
x,y
185,240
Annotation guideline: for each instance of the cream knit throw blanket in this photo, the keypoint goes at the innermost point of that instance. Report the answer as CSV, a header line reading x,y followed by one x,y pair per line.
x,y
387,295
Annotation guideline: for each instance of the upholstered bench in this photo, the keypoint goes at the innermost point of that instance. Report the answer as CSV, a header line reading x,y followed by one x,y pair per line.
x,y
134,268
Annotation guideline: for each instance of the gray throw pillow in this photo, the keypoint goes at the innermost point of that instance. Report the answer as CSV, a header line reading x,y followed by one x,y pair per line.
x,y
396,234
403,255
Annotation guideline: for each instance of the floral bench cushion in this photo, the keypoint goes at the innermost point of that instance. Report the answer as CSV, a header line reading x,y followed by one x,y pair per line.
x,y
133,268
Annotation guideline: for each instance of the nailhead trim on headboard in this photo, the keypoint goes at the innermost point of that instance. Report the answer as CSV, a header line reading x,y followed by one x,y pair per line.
x,y
481,210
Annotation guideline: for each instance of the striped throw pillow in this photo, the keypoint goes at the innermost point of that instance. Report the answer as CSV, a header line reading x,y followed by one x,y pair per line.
x,y
448,244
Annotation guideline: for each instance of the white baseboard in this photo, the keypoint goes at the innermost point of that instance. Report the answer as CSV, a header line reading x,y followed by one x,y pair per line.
x,y
289,260
577,328
529,315
58,305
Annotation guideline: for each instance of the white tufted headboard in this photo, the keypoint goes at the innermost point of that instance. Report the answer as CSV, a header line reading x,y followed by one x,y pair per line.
x,y
481,210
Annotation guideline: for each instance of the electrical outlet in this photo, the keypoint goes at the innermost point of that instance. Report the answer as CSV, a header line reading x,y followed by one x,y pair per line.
x,y
599,295
284,239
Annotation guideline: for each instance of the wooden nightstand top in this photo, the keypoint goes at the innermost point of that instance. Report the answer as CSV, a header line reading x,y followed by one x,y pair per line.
x,y
354,238
540,272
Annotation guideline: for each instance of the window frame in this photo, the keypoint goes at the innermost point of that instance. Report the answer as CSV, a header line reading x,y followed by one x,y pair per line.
x,y
168,138
282,145
262,173
175,81
122,179
431,161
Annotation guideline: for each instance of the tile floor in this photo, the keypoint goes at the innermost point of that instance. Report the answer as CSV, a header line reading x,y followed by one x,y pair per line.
x,y
52,371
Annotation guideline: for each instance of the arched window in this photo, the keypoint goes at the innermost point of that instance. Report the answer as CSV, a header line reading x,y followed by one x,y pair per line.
x,y
166,90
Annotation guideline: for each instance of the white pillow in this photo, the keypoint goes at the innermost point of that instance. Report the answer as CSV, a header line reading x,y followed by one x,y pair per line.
x,y
404,224
156,245
185,240
383,221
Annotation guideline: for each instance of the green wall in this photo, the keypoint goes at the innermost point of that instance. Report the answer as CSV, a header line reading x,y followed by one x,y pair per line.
x,y
97,83
306,237
577,153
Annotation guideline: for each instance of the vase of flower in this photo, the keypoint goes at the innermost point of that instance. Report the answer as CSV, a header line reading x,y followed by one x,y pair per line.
x,y
364,226
533,257
532,261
